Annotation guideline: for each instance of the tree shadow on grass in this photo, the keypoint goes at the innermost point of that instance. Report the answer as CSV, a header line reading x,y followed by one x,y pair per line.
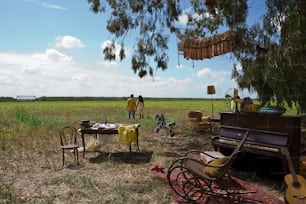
x,y
125,157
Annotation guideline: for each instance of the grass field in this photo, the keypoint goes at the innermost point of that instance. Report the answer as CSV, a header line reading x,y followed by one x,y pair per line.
x,y
30,159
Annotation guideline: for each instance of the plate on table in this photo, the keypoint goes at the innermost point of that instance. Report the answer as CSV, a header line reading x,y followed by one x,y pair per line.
x,y
107,126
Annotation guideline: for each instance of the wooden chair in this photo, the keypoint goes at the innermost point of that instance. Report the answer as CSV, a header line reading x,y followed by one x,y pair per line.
x,y
192,179
68,138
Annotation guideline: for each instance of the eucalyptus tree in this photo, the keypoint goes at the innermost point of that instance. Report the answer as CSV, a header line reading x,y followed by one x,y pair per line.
x,y
271,53
276,66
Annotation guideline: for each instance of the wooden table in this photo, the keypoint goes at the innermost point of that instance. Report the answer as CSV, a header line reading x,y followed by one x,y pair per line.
x,y
105,130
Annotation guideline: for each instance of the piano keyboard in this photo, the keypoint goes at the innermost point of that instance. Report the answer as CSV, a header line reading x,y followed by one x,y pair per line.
x,y
252,146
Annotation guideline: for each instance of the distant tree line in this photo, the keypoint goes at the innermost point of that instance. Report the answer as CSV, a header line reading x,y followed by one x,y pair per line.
x,y
78,98
89,98
7,99
64,98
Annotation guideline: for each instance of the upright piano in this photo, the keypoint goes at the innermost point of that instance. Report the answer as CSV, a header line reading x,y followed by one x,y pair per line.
x,y
269,134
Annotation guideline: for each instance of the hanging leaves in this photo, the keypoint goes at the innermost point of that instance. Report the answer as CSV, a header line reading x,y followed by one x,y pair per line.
x,y
271,54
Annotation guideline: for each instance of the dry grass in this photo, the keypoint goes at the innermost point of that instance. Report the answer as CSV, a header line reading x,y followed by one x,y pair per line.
x,y
31,166
35,175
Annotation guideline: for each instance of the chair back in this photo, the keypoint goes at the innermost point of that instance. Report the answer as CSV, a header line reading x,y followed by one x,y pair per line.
x,y
240,145
235,152
68,135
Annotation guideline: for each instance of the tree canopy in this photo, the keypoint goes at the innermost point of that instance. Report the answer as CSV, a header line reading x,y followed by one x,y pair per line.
x,y
271,53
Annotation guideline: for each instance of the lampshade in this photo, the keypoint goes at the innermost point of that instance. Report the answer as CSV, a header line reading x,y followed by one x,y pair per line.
x,y
211,89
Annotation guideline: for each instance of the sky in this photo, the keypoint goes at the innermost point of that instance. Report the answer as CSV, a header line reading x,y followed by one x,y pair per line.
x,y
54,48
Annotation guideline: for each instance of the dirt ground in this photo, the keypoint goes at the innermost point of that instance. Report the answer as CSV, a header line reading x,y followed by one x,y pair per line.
x,y
36,175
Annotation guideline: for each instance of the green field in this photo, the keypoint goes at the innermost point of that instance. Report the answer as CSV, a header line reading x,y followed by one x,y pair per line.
x,y
66,112
30,158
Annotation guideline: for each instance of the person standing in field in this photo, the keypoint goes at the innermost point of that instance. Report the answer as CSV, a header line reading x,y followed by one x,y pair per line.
x,y
131,106
140,107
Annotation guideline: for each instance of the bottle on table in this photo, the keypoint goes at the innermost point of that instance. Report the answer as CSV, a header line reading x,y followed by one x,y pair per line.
x,y
105,120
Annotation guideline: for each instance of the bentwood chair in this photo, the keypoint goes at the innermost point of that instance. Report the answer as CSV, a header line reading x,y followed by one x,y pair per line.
x,y
192,179
68,137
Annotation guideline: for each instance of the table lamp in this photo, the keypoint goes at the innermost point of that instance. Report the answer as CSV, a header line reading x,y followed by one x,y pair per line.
x,y
211,91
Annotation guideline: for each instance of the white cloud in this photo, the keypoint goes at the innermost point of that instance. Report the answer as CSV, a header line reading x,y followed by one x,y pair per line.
x,y
181,83
183,19
41,75
46,5
206,73
180,66
52,73
32,70
107,63
52,54
68,42
7,59
9,78
218,78
80,77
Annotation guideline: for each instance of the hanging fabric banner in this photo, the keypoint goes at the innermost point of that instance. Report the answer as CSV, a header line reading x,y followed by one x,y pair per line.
x,y
199,48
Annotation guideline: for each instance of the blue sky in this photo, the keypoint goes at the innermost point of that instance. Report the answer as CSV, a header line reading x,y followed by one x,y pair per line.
x,y
54,48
